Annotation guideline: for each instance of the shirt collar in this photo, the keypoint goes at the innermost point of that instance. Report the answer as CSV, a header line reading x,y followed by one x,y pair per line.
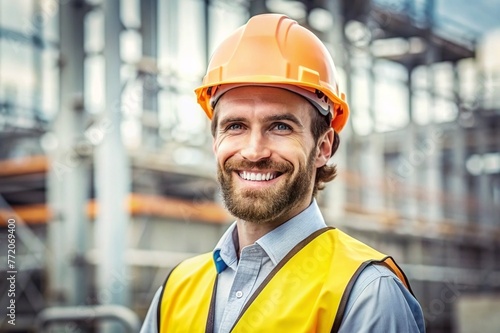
x,y
224,253
277,243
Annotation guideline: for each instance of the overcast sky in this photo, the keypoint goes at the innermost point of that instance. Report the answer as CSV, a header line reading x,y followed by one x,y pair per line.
x,y
478,15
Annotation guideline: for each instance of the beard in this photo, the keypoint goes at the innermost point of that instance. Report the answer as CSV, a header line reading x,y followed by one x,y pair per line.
x,y
265,205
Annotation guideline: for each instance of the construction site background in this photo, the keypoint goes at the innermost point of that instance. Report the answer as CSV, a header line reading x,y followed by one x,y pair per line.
x,y
107,177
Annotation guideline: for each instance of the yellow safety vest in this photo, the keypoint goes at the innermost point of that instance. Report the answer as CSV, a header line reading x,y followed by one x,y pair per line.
x,y
306,292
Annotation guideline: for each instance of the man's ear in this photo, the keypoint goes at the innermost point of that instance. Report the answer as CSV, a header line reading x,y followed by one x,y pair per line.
x,y
213,129
324,147
214,145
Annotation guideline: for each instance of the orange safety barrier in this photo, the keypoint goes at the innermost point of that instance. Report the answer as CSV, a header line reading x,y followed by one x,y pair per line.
x,y
138,205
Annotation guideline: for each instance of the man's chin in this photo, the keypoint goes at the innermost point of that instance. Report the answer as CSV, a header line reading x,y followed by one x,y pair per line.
x,y
256,216
251,206
263,204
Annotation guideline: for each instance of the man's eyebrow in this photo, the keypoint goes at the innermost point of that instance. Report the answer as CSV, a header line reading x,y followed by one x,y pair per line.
x,y
276,117
227,120
288,116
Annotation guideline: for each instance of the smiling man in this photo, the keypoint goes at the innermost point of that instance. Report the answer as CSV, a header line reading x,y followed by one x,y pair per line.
x,y
272,96
267,155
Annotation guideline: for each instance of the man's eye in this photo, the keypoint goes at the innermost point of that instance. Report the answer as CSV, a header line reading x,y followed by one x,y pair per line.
x,y
282,127
234,127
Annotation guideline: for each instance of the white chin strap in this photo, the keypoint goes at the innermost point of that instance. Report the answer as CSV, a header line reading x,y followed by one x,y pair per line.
x,y
319,100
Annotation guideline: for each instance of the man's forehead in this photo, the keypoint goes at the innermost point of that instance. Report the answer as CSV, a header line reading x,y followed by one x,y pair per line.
x,y
259,93
246,98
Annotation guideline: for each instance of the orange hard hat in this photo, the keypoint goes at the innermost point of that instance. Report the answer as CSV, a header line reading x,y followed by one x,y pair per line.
x,y
274,50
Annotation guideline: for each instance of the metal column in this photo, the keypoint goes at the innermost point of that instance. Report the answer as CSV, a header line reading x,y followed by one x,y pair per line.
x,y
372,156
483,180
169,50
335,194
257,7
372,172
149,28
206,25
431,144
68,179
38,63
408,169
459,192
112,180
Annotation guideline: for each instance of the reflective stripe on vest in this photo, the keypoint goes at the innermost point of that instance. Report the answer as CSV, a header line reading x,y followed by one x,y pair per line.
x,y
306,292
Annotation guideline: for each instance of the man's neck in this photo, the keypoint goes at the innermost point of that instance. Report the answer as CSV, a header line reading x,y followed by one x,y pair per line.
x,y
249,232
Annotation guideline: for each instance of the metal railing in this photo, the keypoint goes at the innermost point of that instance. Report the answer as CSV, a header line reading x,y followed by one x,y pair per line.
x,y
88,315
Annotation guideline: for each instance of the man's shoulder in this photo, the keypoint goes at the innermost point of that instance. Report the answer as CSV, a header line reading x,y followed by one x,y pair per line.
x,y
371,274
378,300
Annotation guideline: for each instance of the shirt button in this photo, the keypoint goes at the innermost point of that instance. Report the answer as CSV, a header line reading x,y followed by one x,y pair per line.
x,y
239,293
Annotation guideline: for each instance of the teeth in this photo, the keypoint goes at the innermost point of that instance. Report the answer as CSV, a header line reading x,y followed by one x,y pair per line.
x,y
257,176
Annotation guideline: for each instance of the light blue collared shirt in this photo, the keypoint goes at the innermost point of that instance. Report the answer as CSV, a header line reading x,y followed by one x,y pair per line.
x,y
239,279
378,301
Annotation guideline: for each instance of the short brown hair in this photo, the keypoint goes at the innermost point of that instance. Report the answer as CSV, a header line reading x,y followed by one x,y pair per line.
x,y
319,125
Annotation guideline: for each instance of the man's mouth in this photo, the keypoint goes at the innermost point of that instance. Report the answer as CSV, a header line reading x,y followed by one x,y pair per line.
x,y
258,176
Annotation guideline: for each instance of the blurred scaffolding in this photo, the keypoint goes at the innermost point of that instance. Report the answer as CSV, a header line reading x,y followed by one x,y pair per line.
x,y
106,162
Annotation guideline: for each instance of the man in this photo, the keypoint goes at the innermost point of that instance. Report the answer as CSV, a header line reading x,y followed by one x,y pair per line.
x,y
272,95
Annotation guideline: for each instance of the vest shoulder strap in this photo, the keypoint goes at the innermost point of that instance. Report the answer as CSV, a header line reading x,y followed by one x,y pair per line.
x,y
194,277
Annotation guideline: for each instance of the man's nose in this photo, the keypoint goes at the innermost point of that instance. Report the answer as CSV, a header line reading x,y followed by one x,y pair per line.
x,y
256,147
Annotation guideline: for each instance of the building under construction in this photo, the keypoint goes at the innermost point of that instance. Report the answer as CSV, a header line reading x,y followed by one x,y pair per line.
x,y
107,169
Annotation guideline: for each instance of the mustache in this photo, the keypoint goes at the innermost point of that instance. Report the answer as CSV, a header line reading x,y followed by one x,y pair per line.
x,y
264,164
